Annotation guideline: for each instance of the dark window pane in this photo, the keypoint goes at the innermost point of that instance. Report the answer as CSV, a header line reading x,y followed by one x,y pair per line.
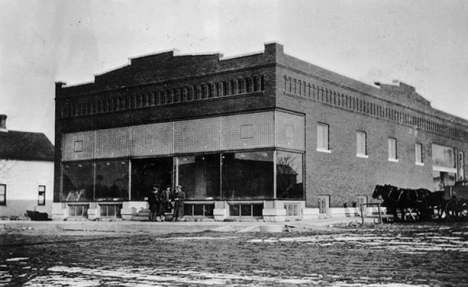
x,y
199,175
246,210
234,210
147,172
77,182
209,209
188,209
257,209
112,180
198,209
248,175
289,175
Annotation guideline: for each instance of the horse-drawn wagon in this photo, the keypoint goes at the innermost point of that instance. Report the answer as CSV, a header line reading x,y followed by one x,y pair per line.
x,y
412,204
456,197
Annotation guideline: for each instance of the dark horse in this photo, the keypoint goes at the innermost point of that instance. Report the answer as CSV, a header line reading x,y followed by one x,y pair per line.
x,y
405,200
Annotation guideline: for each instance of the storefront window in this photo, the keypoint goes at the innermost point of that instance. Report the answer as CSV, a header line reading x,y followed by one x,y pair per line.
x,y
289,175
443,156
247,175
77,182
148,172
199,176
111,180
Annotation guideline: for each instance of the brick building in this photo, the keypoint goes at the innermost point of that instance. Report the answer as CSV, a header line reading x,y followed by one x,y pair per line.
x,y
264,135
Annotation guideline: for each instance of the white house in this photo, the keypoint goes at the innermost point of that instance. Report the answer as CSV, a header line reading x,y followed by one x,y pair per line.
x,y
26,172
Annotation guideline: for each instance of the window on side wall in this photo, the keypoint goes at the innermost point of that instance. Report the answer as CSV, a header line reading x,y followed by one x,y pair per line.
x,y
392,150
41,198
361,144
2,194
418,154
322,137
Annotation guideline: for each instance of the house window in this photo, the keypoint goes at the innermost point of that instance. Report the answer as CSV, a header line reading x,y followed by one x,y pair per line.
x,y
2,194
41,198
392,150
418,154
361,144
322,137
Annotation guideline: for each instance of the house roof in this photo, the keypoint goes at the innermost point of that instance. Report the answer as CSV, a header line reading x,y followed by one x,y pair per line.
x,y
28,146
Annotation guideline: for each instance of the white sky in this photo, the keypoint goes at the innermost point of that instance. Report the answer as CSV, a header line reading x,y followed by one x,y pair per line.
x,y
422,43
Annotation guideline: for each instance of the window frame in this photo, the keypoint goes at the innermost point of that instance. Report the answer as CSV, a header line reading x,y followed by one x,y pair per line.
x,y
323,140
41,193
392,149
3,197
361,145
418,154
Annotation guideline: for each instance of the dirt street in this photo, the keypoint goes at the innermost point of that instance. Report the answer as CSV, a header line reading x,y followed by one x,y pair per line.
x,y
388,255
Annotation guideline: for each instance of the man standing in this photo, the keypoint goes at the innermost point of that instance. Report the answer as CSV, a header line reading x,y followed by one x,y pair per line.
x,y
179,203
153,201
166,206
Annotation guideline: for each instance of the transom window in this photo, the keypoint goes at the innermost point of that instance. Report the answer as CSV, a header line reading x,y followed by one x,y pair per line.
x,y
245,209
111,210
78,210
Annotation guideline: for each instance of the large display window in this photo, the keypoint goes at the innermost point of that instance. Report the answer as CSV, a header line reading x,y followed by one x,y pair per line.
x,y
247,175
78,181
111,180
443,156
149,172
289,175
200,176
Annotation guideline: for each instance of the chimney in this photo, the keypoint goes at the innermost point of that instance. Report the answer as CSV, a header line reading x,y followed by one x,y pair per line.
x,y
3,123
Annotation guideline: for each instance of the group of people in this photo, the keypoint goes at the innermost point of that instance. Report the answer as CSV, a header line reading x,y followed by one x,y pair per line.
x,y
161,203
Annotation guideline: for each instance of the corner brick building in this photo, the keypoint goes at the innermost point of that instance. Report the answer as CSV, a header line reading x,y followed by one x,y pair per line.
x,y
261,135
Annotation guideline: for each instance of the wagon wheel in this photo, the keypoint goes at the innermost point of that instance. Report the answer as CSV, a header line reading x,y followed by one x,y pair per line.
x,y
456,209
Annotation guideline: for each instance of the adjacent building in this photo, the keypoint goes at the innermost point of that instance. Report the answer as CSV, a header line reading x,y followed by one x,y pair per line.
x,y
263,135
26,172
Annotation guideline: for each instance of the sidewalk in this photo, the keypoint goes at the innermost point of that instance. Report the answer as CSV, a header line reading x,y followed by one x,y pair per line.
x,y
170,227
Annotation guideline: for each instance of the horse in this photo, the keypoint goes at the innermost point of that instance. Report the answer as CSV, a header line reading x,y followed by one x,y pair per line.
x,y
406,200
389,194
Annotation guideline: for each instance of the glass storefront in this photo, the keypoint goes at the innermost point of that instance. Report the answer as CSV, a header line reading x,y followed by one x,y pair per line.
x,y
220,176
289,175
247,175
148,172
200,176
78,180
111,180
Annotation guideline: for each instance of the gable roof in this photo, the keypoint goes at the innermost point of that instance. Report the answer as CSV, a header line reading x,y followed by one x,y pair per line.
x,y
26,146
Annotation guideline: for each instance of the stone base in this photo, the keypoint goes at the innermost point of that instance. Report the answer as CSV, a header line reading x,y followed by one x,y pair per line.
x,y
274,215
220,214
